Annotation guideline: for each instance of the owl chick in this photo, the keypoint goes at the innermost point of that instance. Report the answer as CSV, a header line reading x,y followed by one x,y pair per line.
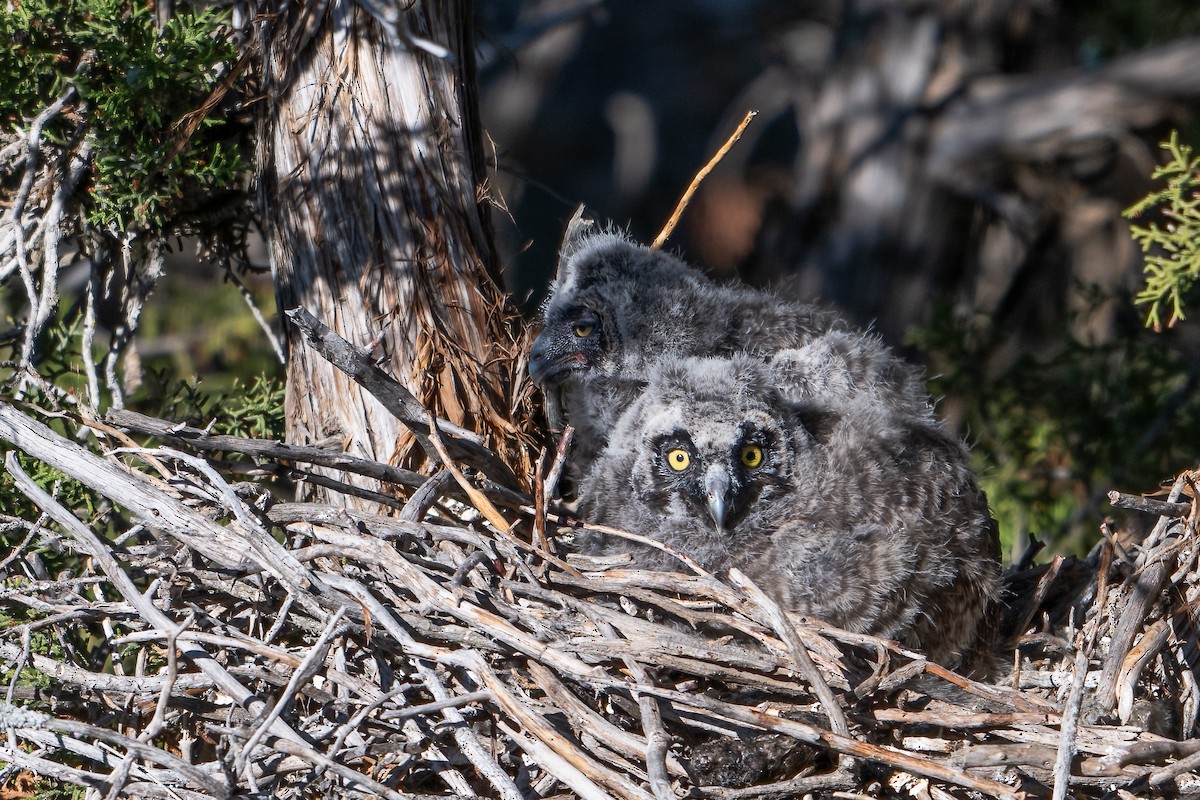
x,y
847,512
617,308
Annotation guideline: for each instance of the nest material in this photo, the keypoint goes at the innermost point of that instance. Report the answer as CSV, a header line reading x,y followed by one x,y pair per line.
x,y
451,650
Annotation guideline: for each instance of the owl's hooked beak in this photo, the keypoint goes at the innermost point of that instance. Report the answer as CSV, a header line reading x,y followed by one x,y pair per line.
x,y
716,489
548,364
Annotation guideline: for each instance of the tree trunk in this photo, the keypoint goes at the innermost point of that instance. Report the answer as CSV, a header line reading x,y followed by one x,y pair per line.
x,y
371,176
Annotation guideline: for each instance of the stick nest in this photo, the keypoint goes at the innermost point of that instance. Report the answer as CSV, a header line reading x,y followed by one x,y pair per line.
x,y
249,646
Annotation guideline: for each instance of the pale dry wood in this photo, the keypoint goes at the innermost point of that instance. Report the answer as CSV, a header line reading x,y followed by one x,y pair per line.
x,y
842,744
1152,576
542,731
1106,741
1017,700
180,433
1140,656
52,769
79,680
587,719
558,767
170,761
94,547
229,546
956,718
657,740
371,163
478,498
393,395
1069,725
425,590
1148,504
783,626
466,739
304,671
796,787
312,756
504,678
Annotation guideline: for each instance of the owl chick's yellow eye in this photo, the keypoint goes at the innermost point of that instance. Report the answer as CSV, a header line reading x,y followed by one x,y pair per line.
x,y
752,456
583,331
678,459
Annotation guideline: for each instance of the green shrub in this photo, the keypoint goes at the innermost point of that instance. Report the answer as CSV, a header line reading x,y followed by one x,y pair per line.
x,y
1172,246
139,91
1052,434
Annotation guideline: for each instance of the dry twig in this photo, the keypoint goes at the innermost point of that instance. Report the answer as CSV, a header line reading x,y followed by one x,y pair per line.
x,y
422,675
673,220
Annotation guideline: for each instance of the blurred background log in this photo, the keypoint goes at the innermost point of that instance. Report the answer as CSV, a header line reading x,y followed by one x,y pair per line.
x,y
904,151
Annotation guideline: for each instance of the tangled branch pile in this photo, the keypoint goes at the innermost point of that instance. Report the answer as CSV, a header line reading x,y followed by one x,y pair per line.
x,y
256,646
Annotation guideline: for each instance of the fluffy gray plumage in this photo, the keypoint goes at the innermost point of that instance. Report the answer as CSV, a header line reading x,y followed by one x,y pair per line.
x,y
617,308
848,512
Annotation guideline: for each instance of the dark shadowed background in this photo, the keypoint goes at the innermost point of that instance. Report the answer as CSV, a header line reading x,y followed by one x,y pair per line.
x,y
952,174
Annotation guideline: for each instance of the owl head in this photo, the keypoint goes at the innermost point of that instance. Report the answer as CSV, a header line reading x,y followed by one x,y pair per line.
x,y
713,440
611,294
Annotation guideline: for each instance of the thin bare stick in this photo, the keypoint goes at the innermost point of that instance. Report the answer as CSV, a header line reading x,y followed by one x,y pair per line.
x,y
260,448
121,775
468,743
594,694
51,235
658,743
804,663
1148,504
319,759
589,720
159,721
44,722
842,744
39,313
357,364
314,660
559,767
539,505
88,339
665,233
143,274
1163,777
560,461
255,311
543,732
478,498
92,545
634,537
1070,725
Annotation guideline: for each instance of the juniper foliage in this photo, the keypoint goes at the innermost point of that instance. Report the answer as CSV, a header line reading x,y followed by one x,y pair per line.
x,y
1172,241
141,97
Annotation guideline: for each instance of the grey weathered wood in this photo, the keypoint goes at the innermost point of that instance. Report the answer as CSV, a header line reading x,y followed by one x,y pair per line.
x,y
507,652
131,490
395,398
260,448
1148,504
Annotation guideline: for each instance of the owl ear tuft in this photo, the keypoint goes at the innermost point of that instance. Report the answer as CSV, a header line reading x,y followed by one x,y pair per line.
x,y
578,229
